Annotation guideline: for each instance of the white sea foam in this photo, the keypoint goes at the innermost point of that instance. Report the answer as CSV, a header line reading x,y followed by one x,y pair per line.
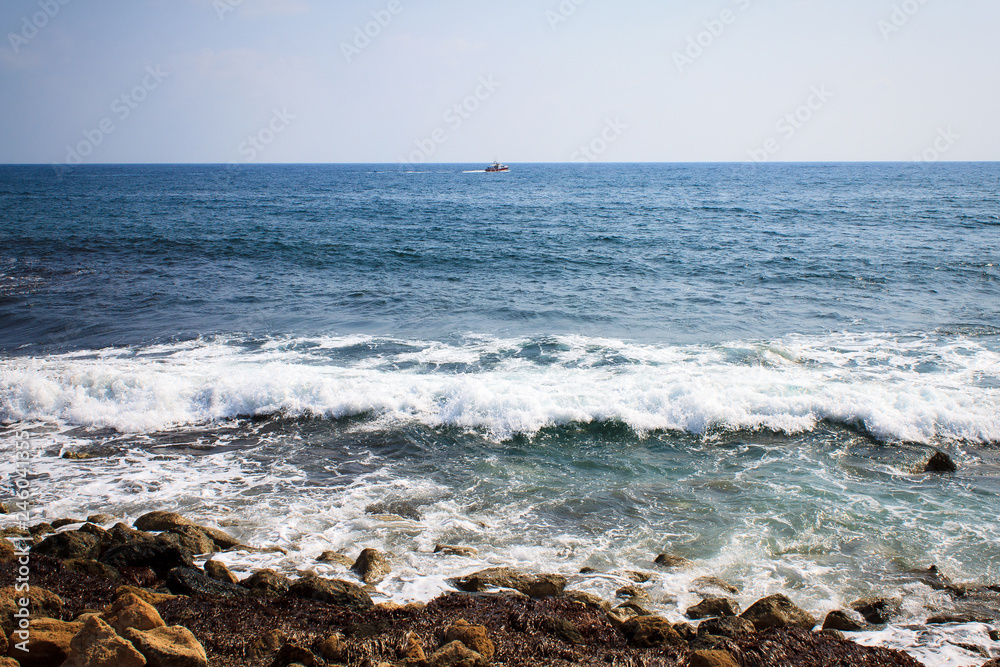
x,y
917,389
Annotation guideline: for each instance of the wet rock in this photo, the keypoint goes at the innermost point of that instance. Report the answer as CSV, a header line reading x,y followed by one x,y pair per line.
x,y
777,611
131,611
712,659
191,538
878,611
43,604
48,643
332,591
588,599
160,557
536,586
412,651
727,626
833,634
267,583
7,553
170,646
144,594
562,629
41,529
371,566
456,654
336,557
59,523
940,463
291,653
931,576
843,621
71,544
100,519
474,637
650,632
218,571
97,645
714,607
92,568
634,594
637,576
267,644
161,521
706,642
122,535
333,648
98,532
708,585
188,581
672,562
686,631
942,619
453,550
403,508
625,612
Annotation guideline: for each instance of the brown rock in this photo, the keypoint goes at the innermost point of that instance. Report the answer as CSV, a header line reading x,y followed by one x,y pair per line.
x,y
267,583
6,551
841,620
131,611
878,611
191,538
336,557
713,659
267,644
71,544
333,591
170,646
456,654
144,594
705,585
536,586
121,535
97,645
714,607
940,462
218,571
453,550
42,528
650,631
727,626
100,519
290,654
48,642
59,523
412,651
371,566
588,599
42,604
562,629
161,521
475,637
92,568
672,562
777,611
333,648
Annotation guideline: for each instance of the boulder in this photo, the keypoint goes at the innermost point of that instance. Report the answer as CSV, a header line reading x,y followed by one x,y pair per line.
x,y
144,594
97,645
71,544
48,643
842,621
267,583
940,462
333,648
92,568
777,611
267,644
712,659
100,519
130,611
733,627
672,562
456,654
161,521
121,534
332,591
42,528
7,553
59,523
188,581
588,599
98,532
536,586
218,571
42,604
371,566
931,577
453,550
562,629
191,538
401,508
650,632
336,557
634,594
170,646
293,654
158,556
412,651
714,607
878,611
475,637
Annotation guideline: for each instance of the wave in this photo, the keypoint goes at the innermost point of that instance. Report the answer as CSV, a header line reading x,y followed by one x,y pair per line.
x,y
922,388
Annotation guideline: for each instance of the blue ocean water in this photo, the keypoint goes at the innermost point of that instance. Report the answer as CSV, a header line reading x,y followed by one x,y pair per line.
x,y
563,366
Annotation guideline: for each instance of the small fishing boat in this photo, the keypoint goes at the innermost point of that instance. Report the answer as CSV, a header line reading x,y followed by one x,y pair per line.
x,y
496,166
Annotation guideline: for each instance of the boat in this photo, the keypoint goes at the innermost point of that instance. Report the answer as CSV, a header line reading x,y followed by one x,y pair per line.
x,y
495,167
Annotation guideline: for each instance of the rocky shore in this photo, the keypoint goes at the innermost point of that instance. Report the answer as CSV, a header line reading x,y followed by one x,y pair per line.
x,y
132,595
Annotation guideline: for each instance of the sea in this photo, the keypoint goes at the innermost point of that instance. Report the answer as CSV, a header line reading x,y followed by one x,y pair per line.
x,y
564,366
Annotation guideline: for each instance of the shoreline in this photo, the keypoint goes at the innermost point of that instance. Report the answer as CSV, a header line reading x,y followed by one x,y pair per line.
x,y
530,618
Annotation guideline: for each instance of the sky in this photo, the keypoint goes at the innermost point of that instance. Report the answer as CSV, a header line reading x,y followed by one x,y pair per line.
x,y
221,81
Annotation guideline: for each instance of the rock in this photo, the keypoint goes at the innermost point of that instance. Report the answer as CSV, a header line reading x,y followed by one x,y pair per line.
x,y
91,568
43,604
475,637
160,557
402,508
170,646
650,632
332,591
97,645
452,550
456,654
371,566
931,577
71,544
267,644
636,576
267,583
336,557
714,607
707,584
48,642
218,571
940,462
122,535
131,611
672,562
734,627
144,594
225,541
878,611
333,648
588,599
536,586
560,628
59,523
188,581
161,521
7,553
191,538
412,651
992,663
712,659
832,634
843,621
100,519
98,532
42,528
623,613
687,631
706,642
291,653
942,619
777,611
633,593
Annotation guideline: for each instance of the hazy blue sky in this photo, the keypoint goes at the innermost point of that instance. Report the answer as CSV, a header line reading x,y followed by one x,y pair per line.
x,y
534,80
